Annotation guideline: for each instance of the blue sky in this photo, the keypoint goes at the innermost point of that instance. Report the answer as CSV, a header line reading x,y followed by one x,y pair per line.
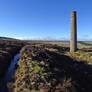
x,y
44,19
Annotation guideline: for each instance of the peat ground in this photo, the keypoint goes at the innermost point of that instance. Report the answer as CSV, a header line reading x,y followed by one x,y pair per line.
x,y
8,48
46,68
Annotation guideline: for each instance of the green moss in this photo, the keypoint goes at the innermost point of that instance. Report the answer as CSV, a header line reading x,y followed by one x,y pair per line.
x,y
37,69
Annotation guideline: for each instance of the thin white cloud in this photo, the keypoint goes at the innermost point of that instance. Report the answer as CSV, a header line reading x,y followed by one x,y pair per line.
x,y
85,38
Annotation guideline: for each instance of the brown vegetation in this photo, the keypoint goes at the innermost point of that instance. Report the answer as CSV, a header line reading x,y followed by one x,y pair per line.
x,y
49,68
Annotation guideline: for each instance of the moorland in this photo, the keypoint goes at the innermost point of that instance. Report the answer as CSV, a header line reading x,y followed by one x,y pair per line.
x,y
47,66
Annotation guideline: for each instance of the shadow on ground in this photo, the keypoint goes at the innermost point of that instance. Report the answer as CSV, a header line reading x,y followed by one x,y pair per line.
x,y
64,68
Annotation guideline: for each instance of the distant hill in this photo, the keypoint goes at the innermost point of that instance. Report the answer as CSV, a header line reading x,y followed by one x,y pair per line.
x,y
7,38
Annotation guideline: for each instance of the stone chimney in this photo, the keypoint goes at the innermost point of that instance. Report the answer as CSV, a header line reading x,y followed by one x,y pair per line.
x,y
73,40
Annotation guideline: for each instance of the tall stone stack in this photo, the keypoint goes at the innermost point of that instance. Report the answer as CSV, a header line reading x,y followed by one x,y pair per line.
x,y
73,40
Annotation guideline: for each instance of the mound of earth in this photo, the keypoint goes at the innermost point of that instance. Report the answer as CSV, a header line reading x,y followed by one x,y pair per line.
x,y
40,70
